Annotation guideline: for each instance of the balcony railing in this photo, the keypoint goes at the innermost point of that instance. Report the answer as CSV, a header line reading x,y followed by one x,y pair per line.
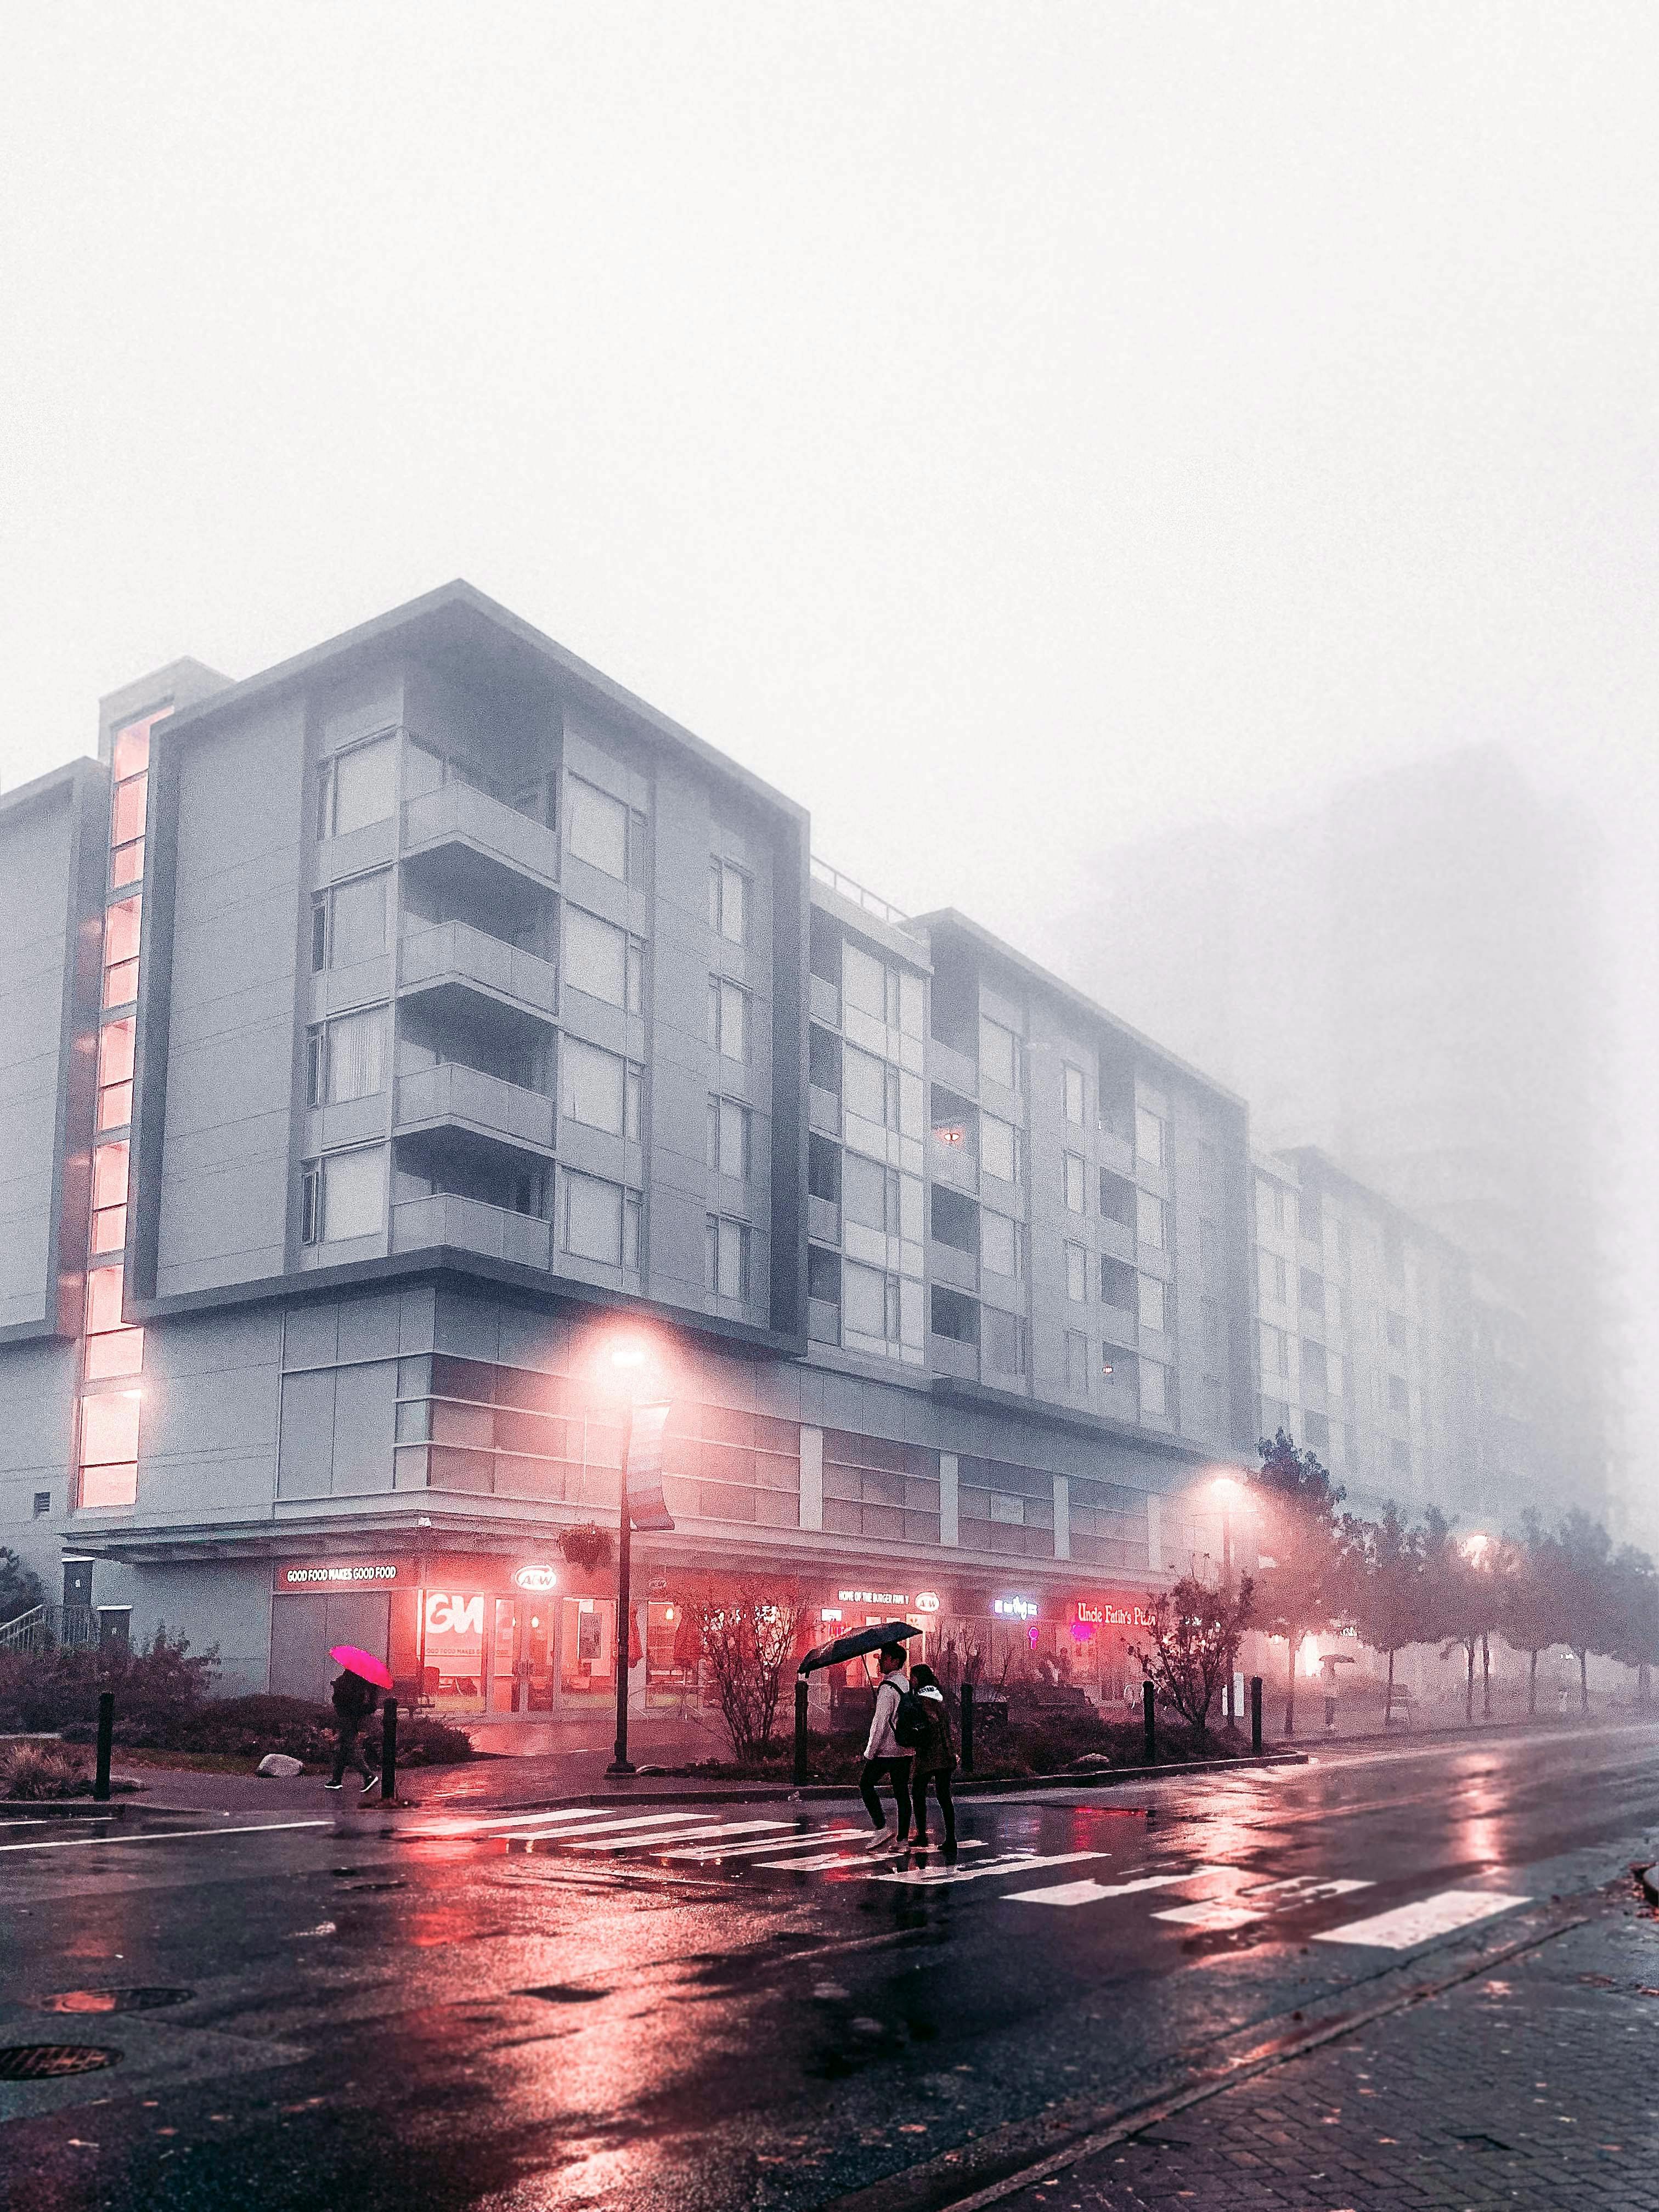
x,y
455,952
452,1093
460,814
467,1225
844,887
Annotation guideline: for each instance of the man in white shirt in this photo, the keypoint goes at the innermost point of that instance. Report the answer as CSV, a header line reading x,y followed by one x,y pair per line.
x,y
884,1754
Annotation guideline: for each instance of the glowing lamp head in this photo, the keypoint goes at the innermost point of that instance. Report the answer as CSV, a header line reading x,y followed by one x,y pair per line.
x,y
628,1351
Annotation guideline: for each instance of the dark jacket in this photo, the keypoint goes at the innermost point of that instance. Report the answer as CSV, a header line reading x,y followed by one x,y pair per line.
x,y
354,1699
937,1753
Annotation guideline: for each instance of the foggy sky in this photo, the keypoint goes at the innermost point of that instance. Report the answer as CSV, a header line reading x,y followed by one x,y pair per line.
x,y
1011,431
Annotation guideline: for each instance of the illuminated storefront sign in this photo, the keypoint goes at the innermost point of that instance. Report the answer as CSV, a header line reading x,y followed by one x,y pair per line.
x,y
1088,1613
321,1577
1014,1608
536,1578
872,1597
453,1615
926,1601
828,1614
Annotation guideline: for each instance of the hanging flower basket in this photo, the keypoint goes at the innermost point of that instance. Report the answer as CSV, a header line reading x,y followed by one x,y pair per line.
x,y
588,1546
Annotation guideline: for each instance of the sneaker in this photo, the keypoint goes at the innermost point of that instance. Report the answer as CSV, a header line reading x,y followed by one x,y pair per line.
x,y
882,1840
922,1843
372,1782
330,1786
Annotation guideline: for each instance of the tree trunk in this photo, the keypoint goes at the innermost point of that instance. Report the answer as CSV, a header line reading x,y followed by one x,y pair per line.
x,y
1584,1682
1388,1702
1486,1677
1290,1686
1532,1684
1468,1684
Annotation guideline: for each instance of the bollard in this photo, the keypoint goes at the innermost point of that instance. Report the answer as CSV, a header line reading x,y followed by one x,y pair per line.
x,y
106,1736
1255,1715
1147,1703
389,1753
801,1731
966,1727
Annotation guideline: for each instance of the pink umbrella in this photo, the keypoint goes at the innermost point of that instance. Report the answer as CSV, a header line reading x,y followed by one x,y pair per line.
x,y
362,1663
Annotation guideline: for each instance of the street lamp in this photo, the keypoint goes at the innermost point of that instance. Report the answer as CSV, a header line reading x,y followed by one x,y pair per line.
x,y
627,1359
1225,1485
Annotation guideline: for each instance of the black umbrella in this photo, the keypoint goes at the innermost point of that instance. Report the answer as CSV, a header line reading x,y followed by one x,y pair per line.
x,y
855,1645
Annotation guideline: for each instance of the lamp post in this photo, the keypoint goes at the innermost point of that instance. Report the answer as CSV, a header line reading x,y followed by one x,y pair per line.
x,y
1224,1484
626,1356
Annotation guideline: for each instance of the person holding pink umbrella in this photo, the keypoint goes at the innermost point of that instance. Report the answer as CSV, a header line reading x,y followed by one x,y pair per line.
x,y
355,1695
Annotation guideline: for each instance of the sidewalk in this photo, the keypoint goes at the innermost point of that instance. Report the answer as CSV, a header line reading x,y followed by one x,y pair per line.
x,y
1529,2086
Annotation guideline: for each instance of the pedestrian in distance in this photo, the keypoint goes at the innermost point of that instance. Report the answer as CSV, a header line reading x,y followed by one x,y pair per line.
x,y
935,1758
884,1753
355,1701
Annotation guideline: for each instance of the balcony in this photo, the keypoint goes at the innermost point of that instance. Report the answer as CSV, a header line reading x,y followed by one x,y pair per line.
x,y
823,1220
826,1002
453,1097
951,1264
823,1110
452,955
949,1355
956,1164
957,1071
467,1224
468,820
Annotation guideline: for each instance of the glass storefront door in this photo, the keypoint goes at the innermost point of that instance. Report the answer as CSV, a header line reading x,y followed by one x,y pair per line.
x,y
588,1644
452,1667
521,1656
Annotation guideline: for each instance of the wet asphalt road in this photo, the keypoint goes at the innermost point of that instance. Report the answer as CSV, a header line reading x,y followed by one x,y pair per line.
x,y
557,2013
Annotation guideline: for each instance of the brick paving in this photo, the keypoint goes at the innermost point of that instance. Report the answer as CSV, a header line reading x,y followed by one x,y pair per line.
x,y
1532,2089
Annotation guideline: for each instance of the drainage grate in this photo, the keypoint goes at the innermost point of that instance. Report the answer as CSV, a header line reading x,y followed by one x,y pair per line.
x,y
140,2000
39,2062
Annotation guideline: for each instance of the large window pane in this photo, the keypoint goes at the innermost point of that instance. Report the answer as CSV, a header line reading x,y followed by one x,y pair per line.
x,y
1153,1304
360,921
593,1219
864,1299
595,956
863,982
599,828
353,1194
864,1191
365,785
999,1148
998,1053
357,1055
864,1084
109,1428
998,1243
593,1085
1149,1220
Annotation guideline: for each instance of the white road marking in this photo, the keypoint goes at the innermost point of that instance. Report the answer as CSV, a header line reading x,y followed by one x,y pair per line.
x,y
814,1839
1410,1924
1305,1889
1214,1915
947,1876
1088,1891
502,1826
704,1833
609,1827
849,1859
160,1836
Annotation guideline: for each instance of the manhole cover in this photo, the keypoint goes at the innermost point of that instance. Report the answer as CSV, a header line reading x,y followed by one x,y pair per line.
x,y
565,1993
39,2062
144,2000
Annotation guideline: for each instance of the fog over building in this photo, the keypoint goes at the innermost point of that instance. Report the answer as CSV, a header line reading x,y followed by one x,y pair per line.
x,y
1407,978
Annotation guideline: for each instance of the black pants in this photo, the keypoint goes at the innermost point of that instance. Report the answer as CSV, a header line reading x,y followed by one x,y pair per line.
x,y
348,1751
940,1778
898,1771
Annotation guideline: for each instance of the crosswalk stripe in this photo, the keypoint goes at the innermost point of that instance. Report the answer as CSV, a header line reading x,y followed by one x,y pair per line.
x,y
499,1826
1214,1914
846,1859
705,1832
1088,1891
813,1840
1429,1916
947,1876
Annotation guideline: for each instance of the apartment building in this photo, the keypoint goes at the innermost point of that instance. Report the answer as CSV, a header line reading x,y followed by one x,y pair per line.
x,y
388,1039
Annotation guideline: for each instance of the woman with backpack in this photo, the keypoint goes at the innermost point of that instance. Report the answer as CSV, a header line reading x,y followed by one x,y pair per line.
x,y
935,1757
886,1751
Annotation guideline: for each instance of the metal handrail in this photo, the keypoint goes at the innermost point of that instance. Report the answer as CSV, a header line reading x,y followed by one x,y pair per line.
x,y
883,909
22,1634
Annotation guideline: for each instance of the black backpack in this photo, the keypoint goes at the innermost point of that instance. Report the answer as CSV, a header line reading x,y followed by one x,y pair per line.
x,y
910,1720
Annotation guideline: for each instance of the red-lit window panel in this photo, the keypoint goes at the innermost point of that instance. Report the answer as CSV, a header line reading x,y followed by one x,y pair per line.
x,y
115,1053
110,1165
112,1348
109,1448
126,864
117,1485
127,817
121,926
130,755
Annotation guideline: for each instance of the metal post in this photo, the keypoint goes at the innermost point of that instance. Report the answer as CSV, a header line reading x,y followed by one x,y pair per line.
x,y
801,1731
105,1737
1255,1715
389,1752
966,1727
1147,1703
1232,1714
622,1764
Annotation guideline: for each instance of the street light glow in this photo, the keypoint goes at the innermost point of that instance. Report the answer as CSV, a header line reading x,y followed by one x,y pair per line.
x,y
628,1351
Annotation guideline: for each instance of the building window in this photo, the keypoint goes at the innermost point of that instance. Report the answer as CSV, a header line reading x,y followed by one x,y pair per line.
x,y
726,1257
112,1348
1118,1284
593,1086
1313,1291
1149,1220
728,902
870,1087
1073,1182
1002,1244
1077,1362
870,1194
1077,1274
598,1220
1006,1342
1154,1389
1275,1356
823,1276
358,788
1316,1431
348,922
1396,1332
1001,1149
1314,1370
869,1303
1400,1398
729,1138
121,924
1117,1199
1006,1509
1154,1303
1400,1456
602,960
728,1019
115,1054
1149,1137
604,832
998,1053
889,995
109,1195
346,1058
109,1449
1074,1095
1273,1278
343,1195
126,835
